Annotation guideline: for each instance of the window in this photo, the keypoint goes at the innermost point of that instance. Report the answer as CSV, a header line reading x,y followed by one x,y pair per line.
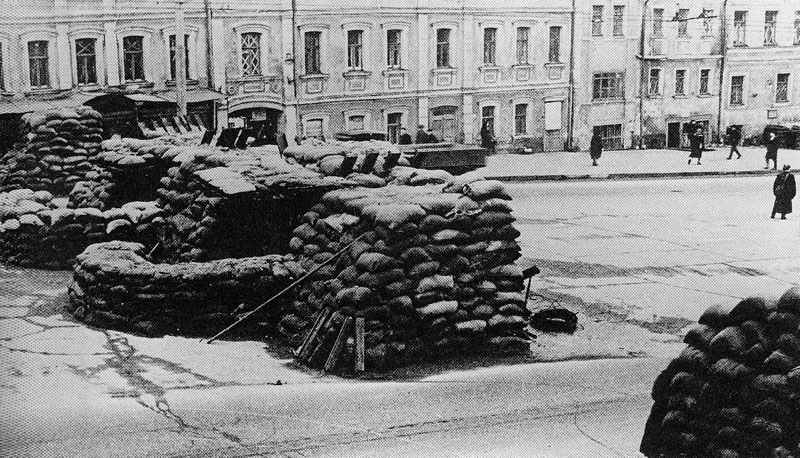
x,y
770,23
597,20
796,41
737,90
680,82
555,44
2,77
523,34
611,135
704,76
782,88
393,59
355,49
173,56
608,86
490,46
444,122
39,64
313,43
619,14
251,54
655,82
683,23
133,56
313,128
86,60
443,48
739,28
521,119
355,122
394,122
487,118
658,22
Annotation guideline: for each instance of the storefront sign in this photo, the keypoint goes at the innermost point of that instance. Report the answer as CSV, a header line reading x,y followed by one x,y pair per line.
x,y
259,115
772,114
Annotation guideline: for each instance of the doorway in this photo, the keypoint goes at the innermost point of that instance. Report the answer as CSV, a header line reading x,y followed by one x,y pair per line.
x,y
673,135
261,122
444,123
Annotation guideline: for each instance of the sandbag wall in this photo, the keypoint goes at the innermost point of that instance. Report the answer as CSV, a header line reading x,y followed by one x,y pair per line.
x,y
431,273
116,286
735,389
57,150
230,204
38,230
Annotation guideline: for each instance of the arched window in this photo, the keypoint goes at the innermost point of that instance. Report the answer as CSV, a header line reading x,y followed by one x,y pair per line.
x,y
251,54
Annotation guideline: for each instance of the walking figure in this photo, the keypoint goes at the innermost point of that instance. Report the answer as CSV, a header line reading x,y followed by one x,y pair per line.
x,y
734,137
772,151
487,137
784,189
696,143
596,148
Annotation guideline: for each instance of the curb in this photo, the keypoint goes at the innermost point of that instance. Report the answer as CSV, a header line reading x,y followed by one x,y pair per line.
x,y
631,176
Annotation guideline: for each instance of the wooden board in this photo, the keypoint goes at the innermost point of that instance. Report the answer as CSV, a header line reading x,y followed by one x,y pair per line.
x,y
330,363
359,344
322,315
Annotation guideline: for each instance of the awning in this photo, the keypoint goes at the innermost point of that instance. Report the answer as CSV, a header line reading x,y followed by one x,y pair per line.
x,y
27,105
193,96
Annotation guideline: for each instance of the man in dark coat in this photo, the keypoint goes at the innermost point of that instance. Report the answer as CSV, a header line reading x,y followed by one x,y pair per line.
x,y
772,151
734,137
405,137
596,148
696,142
784,189
431,136
422,137
487,138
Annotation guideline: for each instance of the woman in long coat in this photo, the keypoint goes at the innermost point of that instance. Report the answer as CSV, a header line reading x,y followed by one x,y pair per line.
x,y
784,189
696,140
596,148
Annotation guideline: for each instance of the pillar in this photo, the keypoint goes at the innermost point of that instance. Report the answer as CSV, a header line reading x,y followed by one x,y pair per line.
x,y
111,50
63,55
220,56
468,119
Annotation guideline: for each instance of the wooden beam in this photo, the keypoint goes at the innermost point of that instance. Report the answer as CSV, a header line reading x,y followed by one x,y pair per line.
x,y
338,344
322,315
359,344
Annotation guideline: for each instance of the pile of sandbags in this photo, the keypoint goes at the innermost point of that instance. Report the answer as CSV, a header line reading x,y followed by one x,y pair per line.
x,y
57,152
234,203
432,269
327,158
735,389
39,230
115,286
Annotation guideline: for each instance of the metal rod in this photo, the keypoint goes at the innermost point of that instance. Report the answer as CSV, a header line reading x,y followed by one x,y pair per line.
x,y
284,290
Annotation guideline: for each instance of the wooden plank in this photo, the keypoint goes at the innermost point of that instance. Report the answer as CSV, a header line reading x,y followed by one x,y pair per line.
x,y
330,363
319,349
312,341
321,316
359,344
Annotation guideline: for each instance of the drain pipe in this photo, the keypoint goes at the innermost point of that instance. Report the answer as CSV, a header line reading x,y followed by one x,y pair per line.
x,y
642,74
722,62
571,117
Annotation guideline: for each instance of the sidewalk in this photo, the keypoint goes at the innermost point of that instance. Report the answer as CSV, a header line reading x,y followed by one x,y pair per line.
x,y
631,164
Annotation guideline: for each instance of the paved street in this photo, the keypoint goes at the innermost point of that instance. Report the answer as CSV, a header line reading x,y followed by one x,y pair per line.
x,y
637,259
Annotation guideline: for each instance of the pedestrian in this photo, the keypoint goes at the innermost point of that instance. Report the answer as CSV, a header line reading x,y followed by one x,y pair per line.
x,y
405,137
695,142
772,151
784,189
487,138
734,137
422,137
596,148
431,137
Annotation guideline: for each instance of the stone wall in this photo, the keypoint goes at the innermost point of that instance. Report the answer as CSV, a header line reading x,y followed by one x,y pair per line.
x,y
116,286
735,388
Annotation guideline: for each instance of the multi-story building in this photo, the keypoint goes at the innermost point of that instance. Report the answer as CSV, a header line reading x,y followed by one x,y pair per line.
x,y
316,66
762,64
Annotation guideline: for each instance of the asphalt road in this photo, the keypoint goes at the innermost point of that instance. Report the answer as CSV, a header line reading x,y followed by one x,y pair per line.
x,y
634,256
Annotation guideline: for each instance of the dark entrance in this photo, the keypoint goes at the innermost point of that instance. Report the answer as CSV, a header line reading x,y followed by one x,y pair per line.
x,y
673,135
262,123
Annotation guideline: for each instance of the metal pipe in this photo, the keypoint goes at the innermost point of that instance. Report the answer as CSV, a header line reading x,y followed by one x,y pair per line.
x,y
723,60
642,73
571,89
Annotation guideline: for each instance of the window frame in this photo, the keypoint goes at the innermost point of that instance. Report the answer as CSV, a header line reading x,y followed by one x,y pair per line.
x,y
316,53
493,107
490,46
683,22
796,39
650,88
554,52
521,116
731,101
443,51
2,64
615,82
658,23
680,91
740,28
39,60
787,93
355,49
393,129
618,21
125,55
397,52
771,28
523,55
82,62
597,20
172,50
701,79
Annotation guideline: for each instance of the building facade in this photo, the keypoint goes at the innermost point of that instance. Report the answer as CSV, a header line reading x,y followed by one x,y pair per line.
x,y
762,71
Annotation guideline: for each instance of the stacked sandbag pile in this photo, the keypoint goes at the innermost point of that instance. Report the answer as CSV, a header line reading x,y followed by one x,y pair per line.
x,y
115,286
432,273
38,230
735,389
57,152
206,191
328,157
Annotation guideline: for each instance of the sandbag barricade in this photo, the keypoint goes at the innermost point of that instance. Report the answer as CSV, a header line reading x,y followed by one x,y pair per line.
x,y
57,151
735,388
38,230
433,274
370,166
116,287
